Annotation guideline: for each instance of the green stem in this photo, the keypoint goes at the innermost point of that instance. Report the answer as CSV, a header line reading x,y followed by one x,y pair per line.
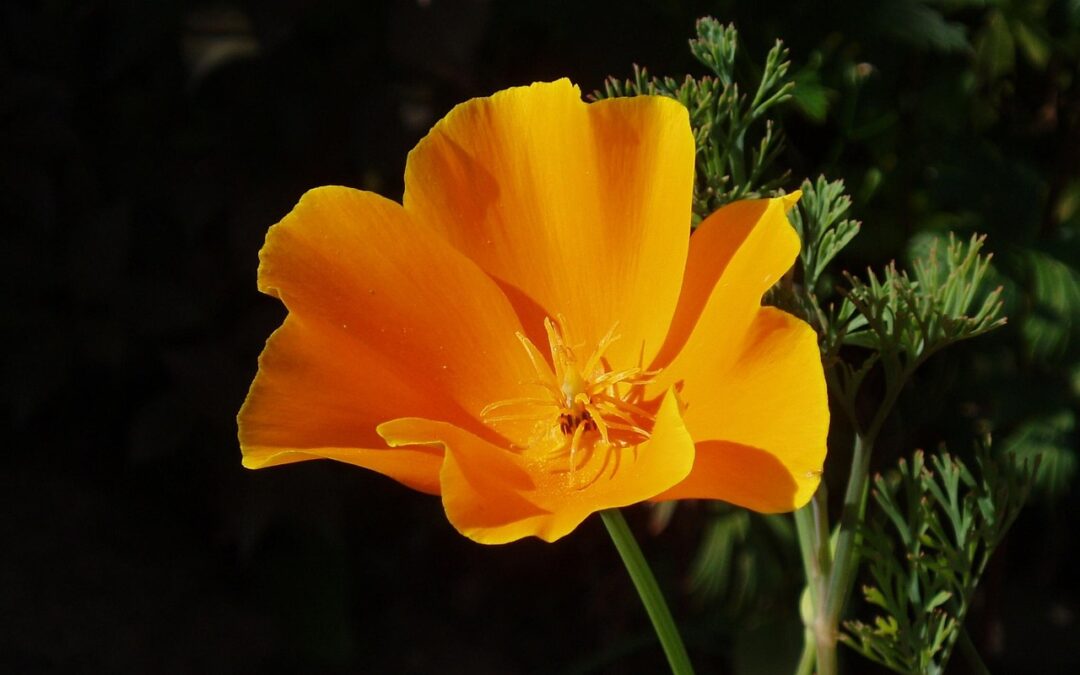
x,y
809,655
846,560
649,591
812,525
846,556
836,588
808,548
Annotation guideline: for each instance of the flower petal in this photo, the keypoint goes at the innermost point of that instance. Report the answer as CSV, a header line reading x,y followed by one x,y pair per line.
x,y
385,320
580,210
736,254
494,496
760,420
484,486
307,404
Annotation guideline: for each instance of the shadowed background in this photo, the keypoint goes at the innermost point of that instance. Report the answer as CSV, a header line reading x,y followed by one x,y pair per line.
x,y
145,147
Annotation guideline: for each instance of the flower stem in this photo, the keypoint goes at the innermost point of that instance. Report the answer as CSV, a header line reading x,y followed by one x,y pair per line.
x,y
846,562
808,659
649,591
819,646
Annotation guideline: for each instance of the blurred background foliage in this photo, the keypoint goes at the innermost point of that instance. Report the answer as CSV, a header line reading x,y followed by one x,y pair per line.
x,y
148,145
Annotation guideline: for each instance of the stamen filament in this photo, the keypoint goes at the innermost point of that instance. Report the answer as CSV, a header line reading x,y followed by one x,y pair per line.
x,y
543,371
626,405
585,406
630,427
525,400
598,420
601,347
615,377
523,417
575,443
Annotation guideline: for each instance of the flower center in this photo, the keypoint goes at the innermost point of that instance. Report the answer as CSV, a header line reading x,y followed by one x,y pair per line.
x,y
587,411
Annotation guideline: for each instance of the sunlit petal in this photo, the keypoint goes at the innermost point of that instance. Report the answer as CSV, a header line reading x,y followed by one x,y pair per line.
x,y
760,420
580,209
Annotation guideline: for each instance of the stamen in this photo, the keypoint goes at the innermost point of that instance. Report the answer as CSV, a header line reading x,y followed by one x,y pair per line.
x,y
575,444
543,371
584,407
627,405
601,347
598,421
630,427
614,377
607,409
523,417
525,400
546,385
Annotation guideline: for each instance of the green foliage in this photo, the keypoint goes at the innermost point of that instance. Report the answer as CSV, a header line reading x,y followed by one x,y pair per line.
x,y
1052,438
946,522
889,320
1013,28
908,318
736,144
820,219
1053,314
823,229
921,26
741,554
901,318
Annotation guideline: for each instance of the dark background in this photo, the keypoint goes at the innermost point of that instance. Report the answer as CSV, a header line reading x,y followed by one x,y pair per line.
x,y
145,147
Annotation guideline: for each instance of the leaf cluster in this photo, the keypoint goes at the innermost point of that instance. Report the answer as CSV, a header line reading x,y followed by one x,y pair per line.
x,y
916,315
824,229
902,318
906,318
736,144
946,522
893,319
1050,436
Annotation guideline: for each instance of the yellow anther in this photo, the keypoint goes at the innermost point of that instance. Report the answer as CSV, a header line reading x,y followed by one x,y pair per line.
x,y
585,406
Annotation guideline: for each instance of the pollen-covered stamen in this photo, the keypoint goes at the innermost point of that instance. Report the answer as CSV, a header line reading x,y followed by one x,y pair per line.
x,y
538,410
585,405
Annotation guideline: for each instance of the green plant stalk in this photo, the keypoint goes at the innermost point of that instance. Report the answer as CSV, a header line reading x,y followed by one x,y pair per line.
x,y
811,523
809,655
649,591
826,621
832,595
842,578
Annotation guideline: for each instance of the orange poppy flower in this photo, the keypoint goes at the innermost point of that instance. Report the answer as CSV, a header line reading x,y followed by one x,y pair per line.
x,y
533,335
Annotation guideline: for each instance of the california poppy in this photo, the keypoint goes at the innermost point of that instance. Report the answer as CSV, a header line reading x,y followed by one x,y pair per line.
x,y
533,334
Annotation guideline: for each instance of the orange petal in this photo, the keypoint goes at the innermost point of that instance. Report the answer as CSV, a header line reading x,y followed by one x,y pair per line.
x,y
736,254
385,320
320,393
761,420
484,486
494,496
580,210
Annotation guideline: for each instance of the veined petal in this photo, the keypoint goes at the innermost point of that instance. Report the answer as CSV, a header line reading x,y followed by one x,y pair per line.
x,y
495,496
385,320
580,210
761,420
